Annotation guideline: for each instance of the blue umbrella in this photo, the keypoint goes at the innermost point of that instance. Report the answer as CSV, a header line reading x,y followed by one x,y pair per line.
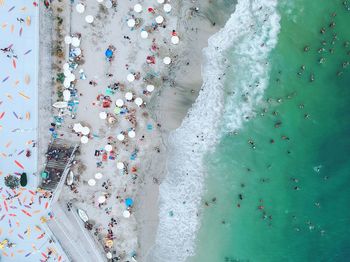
x,y
109,53
128,202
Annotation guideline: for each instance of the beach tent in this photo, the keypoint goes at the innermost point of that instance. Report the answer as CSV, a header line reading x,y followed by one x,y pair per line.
x,y
109,53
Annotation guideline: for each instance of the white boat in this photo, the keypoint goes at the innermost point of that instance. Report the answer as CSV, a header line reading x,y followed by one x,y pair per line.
x,y
70,178
83,216
61,104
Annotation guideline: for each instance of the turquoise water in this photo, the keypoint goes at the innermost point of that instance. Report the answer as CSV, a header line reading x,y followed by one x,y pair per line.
x,y
278,189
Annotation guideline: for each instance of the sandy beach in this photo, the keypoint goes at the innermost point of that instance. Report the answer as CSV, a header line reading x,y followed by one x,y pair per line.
x,y
116,166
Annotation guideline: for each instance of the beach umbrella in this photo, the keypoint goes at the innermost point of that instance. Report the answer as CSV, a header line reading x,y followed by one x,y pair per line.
x,y
85,130
76,51
117,110
109,53
98,176
138,101
175,39
80,8
75,42
167,60
144,34
160,1
84,139
131,134
109,255
77,127
130,77
89,19
138,8
71,77
66,66
92,182
61,104
150,88
120,165
99,1
120,137
119,103
66,72
129,202
103,115
66,83
101,199
68,40
126,214
66,95
108,4
128,96
109,243
131,22
108,148
167,8
159,19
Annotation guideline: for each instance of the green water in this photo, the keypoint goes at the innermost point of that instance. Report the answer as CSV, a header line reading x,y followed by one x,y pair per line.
x,y
313,222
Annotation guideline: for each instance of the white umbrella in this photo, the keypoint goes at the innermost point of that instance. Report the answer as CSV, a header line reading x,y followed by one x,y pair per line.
x,y
159,19
175,39
65,66
150,88
108,4
77,51
66,95
130,77
75,42
71,77
77,127
66,72
138,101
160,1
108,148
120,165
66,83
80,8
167,8
126,214
101,199
128,96
99,1
138,8
144,34
119,103
98,176
103,115
131,22
131,134
84,139
85,130
92,182
120,137
68,40
109,255
167,60
89,19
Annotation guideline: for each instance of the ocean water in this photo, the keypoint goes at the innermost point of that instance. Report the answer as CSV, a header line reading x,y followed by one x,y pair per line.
x,y
277,181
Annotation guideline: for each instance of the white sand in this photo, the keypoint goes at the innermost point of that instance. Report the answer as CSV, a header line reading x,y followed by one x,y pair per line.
x,y
176,85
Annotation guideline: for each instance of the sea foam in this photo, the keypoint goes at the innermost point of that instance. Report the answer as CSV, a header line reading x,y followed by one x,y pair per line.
x,y
248,36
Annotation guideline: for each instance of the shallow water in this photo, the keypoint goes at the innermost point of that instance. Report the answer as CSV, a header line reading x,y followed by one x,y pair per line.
x,y
287,200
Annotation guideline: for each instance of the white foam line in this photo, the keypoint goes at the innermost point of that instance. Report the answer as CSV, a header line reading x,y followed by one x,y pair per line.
x,y
181,191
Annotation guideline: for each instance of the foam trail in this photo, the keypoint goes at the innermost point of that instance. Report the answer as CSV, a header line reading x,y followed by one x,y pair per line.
x,y
180,193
